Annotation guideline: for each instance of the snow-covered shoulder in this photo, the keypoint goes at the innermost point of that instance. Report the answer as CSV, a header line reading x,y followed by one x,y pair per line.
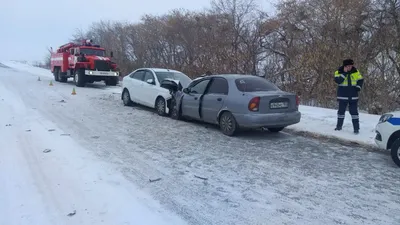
x,y
323,121
47,178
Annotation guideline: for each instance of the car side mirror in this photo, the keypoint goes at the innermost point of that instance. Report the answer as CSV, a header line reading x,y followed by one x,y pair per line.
x,y
150,81
186,90
111,54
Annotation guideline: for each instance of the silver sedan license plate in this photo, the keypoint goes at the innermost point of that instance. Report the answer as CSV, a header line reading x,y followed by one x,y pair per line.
x,y
278,105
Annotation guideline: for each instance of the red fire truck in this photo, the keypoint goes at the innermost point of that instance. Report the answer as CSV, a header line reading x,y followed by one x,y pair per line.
x,y
85,62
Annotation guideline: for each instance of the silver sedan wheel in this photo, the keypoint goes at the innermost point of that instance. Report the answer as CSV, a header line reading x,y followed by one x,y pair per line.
x,y
227,124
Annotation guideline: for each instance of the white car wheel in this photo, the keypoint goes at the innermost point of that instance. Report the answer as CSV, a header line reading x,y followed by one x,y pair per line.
x,y
395,152
126,98
160,106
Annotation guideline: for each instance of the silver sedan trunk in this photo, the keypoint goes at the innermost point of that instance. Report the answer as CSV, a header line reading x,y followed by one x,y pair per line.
x,y
275,102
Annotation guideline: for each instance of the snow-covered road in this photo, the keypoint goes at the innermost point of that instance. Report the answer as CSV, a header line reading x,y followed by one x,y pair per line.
x,y
102,167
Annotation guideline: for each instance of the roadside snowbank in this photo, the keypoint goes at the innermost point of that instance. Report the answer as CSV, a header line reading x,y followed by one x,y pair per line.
x,y
322,121
316,120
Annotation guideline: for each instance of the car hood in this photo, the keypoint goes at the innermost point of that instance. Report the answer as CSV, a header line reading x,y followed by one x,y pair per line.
x,y
176,81
395,113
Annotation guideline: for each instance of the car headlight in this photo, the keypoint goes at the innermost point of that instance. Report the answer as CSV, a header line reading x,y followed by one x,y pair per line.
x,y
385,117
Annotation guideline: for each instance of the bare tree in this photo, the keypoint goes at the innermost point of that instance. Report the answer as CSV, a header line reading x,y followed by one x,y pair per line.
x,y
299,48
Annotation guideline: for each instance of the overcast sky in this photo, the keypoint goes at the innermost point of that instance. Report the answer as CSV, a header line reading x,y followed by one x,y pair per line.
x,y
28,27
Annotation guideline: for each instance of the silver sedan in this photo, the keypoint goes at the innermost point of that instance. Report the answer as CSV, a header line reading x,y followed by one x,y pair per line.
x,y
237,102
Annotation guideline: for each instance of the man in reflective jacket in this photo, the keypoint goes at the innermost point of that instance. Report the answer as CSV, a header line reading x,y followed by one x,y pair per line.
x,y
350,82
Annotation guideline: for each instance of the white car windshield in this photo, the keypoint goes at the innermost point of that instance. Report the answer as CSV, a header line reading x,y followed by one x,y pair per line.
x,y
183,79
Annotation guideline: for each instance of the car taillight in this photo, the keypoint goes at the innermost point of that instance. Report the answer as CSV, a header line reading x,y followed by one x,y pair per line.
x,y
297,100
254,104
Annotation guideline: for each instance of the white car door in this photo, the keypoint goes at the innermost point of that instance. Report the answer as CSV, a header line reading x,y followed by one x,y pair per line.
x,y
135,86
150,89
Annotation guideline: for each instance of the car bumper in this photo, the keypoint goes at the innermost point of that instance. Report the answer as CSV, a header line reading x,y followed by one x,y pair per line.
x,y
267,120
383,132
101,73
378,140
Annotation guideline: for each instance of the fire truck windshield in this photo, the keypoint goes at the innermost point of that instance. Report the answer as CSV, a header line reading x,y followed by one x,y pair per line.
x,y
89,51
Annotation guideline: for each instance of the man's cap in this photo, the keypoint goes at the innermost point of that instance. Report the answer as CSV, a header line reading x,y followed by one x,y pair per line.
x,y
348,62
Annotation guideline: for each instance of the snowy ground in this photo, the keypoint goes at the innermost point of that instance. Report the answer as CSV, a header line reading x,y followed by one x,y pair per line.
x,y
105,164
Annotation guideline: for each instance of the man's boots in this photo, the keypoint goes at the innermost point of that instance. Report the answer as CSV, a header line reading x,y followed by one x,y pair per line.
x,y
356,125
339,124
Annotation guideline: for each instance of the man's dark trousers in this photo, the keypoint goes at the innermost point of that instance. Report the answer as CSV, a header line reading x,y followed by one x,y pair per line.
x,y
353,109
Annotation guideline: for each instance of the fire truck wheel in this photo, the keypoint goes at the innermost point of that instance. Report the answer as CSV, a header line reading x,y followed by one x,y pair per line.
x,y
62,78
56,73
79,78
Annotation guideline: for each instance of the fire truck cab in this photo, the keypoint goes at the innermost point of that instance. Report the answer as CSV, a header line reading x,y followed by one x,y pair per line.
x,y
85,63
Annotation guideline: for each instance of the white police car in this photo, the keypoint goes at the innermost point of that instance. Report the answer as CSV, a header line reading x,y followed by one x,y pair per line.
x,y
388,134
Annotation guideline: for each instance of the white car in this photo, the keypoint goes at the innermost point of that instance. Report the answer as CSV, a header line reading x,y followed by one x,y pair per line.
x,y
388,134
144,87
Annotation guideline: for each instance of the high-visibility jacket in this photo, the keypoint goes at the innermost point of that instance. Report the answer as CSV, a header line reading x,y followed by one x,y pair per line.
x,y
349,84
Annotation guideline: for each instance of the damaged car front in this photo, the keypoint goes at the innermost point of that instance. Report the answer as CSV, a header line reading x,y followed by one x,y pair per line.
x,y
175,88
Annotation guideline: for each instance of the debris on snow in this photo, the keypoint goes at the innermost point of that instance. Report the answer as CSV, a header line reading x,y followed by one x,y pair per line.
x,y
63,101
203,178
95,137
155,180
28,130
190,163
65,134
72,213
51,130
8,125
47,150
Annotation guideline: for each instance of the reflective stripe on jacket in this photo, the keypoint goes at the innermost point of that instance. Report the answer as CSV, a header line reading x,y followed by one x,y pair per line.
x,y
349,83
